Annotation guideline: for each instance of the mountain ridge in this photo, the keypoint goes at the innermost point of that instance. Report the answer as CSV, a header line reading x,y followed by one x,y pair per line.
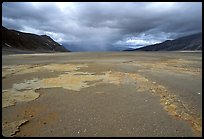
x,y
12,39
191,42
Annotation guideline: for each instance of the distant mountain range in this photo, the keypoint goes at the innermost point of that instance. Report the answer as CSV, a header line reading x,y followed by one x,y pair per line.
x,y
187,43
12,39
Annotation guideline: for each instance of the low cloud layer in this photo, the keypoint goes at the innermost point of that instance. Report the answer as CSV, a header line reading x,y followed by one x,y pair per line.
x,y
104,26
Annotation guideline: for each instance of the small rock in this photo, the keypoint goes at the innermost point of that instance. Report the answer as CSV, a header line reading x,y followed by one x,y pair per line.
x,y
153,91
44,123
146,100
31,115
167,103
198,93
84,130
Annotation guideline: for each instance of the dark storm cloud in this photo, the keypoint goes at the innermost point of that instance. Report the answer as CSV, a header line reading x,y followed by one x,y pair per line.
x,y
105,26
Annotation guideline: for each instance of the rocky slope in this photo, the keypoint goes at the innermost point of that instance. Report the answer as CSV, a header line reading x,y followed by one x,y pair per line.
x,y
12,39
190,43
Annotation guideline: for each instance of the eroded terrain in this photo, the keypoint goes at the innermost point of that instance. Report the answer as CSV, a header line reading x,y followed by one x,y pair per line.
x,y
102,94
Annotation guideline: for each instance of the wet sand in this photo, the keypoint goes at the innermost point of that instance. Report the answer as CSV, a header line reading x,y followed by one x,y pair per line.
x,y
102,94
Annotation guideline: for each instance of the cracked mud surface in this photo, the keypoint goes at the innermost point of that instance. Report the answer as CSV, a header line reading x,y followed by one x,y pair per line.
x,y
105,94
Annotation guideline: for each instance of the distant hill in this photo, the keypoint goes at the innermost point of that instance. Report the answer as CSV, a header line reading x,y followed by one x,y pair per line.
x,y
129,49
187,43
12,39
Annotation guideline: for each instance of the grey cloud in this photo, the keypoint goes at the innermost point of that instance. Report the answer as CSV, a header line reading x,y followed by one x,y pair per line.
x,y
99,26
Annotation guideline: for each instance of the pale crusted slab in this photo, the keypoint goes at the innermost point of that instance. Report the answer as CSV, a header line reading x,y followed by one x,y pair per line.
x,y
10,129
9,98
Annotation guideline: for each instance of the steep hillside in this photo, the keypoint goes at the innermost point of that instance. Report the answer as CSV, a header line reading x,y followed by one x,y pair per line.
x,y
27,41
191,42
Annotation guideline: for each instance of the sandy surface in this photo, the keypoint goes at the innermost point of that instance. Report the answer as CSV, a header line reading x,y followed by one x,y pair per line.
x,y
102,94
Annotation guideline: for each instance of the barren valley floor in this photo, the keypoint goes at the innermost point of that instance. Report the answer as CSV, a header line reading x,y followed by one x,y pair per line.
x,y
102,94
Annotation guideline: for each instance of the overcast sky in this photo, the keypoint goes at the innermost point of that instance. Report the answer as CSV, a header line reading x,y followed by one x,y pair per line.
x,y
104,26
